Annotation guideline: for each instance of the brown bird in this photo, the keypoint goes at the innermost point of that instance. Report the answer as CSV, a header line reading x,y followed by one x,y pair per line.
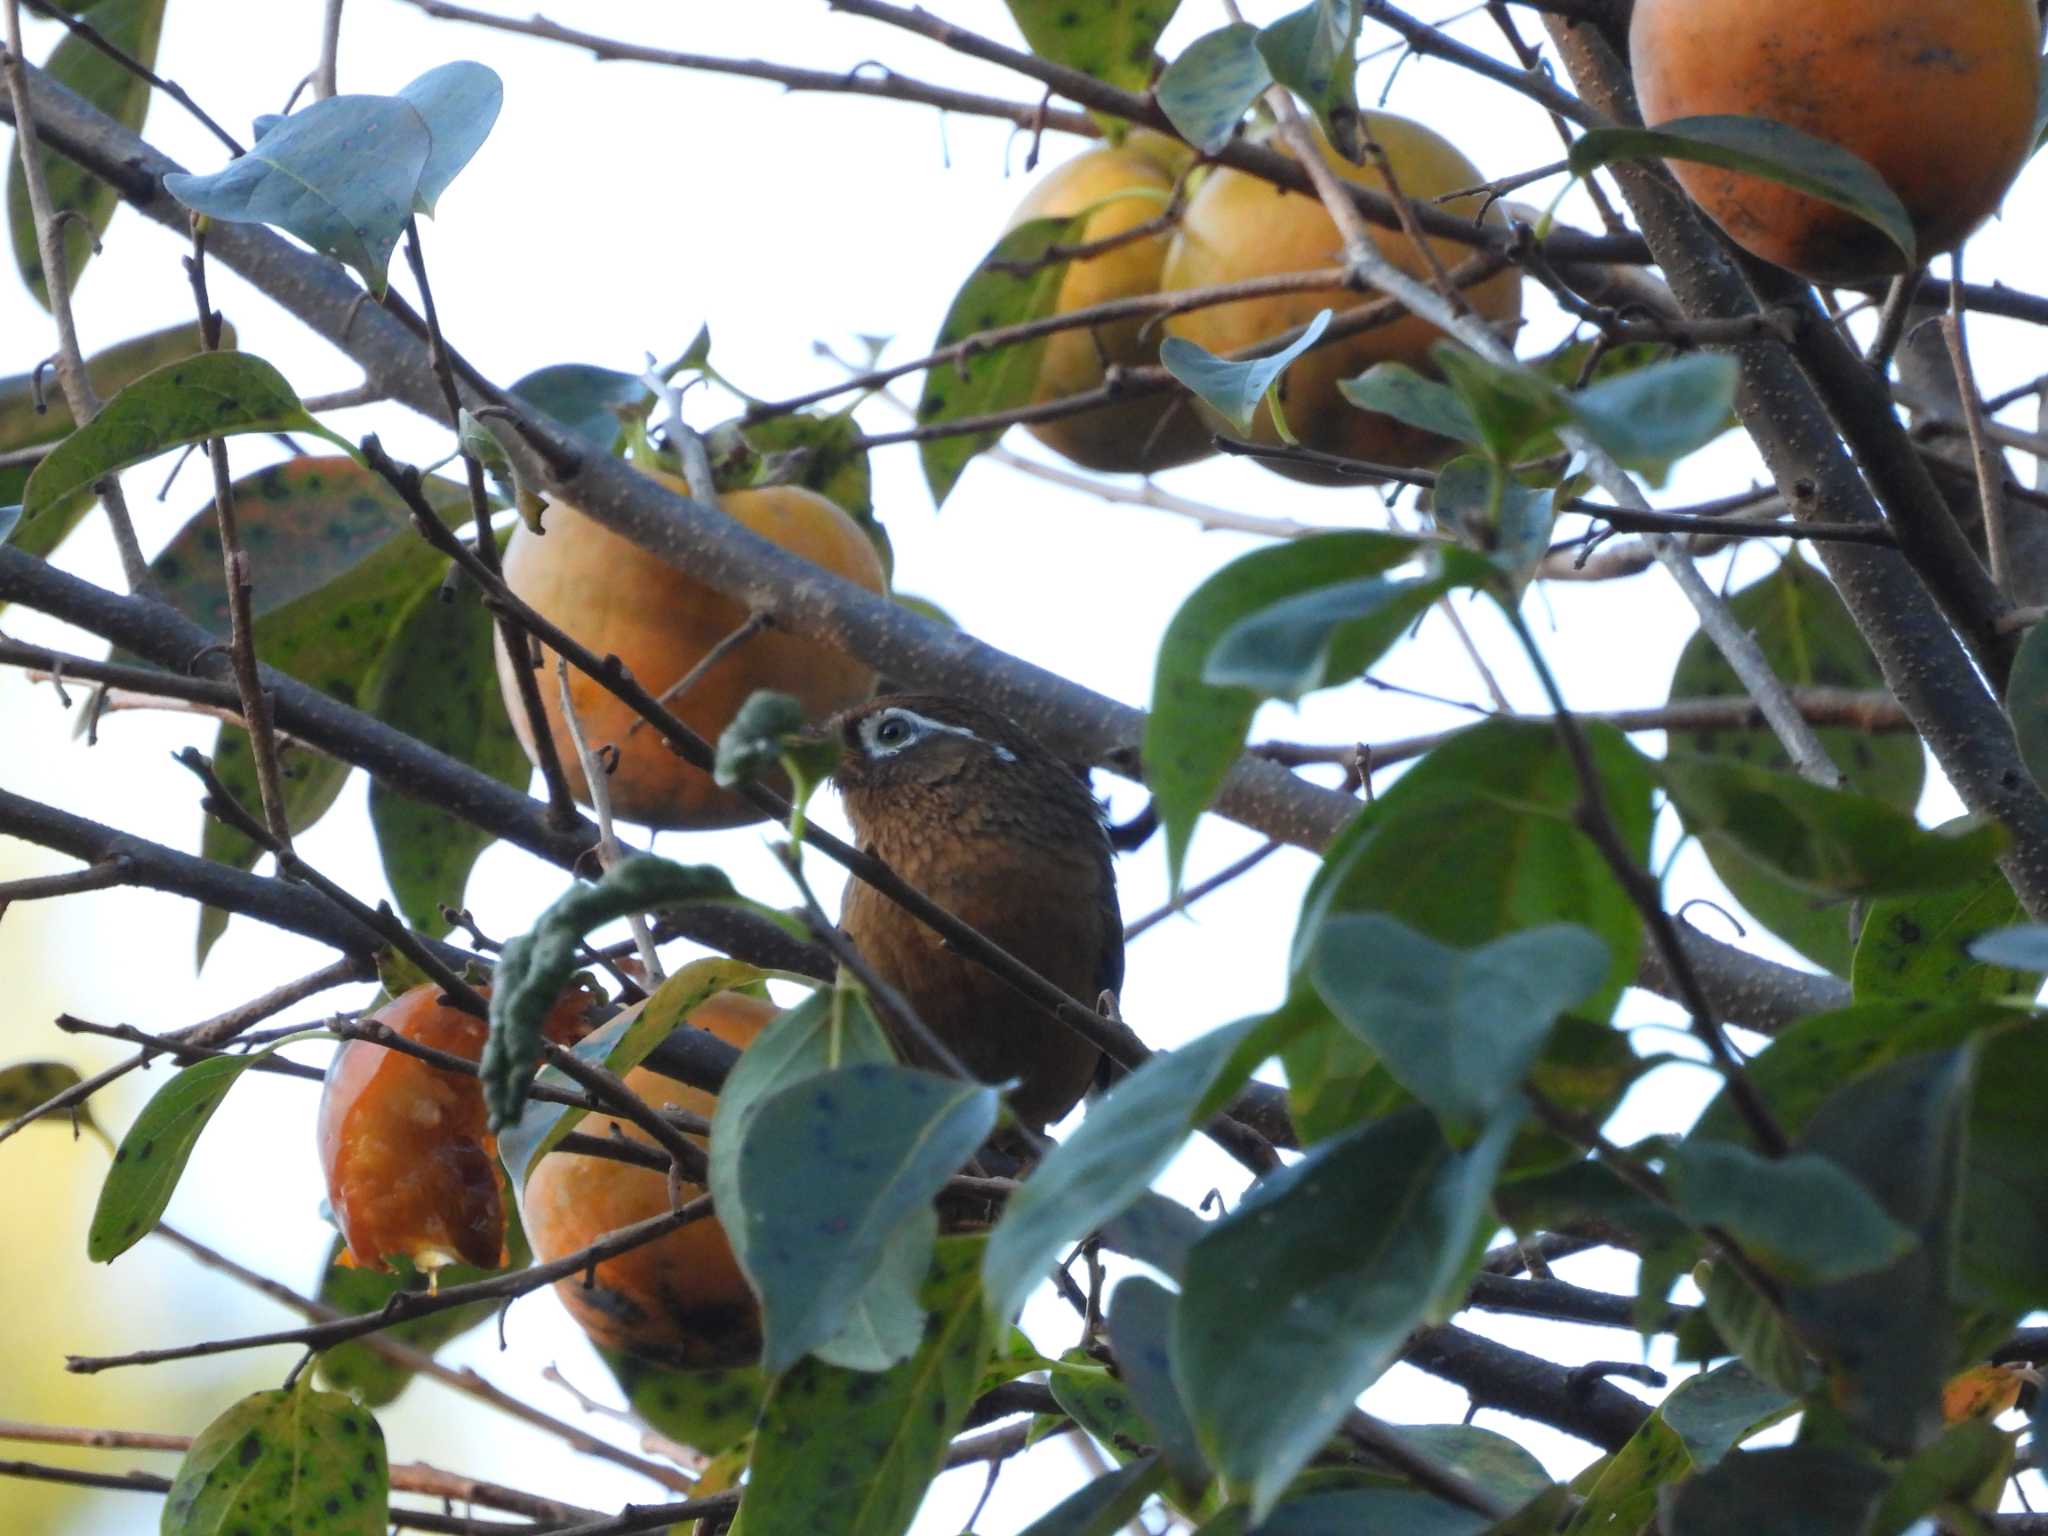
x,y
1000,832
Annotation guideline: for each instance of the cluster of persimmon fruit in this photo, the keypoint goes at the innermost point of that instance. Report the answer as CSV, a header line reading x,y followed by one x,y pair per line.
x,y
1939,99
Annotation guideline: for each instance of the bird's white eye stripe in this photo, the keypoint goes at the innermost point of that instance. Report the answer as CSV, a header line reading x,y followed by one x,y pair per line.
x,y
895,729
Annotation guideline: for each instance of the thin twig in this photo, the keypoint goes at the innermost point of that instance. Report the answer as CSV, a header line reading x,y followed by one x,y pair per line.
x,y
96,877
1989,461
409,1304
609,853
236,576
400,1353
213,1032
324,81
1597,821
747,628
862,81
511,635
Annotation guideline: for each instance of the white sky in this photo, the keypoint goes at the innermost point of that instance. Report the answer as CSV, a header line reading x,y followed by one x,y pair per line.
x,y
615,208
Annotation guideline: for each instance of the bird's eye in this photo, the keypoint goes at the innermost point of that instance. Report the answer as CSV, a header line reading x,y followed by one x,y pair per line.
x,y
894,731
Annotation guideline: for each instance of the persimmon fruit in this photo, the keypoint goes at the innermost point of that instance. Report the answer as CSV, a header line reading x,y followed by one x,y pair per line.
x,y
1939,99
680,1300
1125,185
1237,226
619,599
410,1163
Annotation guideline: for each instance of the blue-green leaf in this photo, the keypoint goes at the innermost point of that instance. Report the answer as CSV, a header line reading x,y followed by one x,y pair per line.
x,y
1128,1137
1339,1257
341,174
1206,92
1313,53
1235,389
1760,147
1800,1216
1458,1028
828,1172
459,103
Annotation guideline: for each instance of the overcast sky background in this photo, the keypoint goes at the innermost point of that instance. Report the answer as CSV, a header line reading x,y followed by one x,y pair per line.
x,y
616,208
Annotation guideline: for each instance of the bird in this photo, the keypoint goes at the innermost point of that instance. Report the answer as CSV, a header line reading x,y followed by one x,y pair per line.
x,y
972,811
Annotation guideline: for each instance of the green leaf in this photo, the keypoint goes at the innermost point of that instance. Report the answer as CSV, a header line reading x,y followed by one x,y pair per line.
x,y
1886,1337
1969,1459
1313,53
1340,1256
1808,637
851,1453
1478,840
620,1045
23,426
1491,1461
1370,1512
437,681
710,1411
770,730
305,522
1141,1313
1112,1157
1717,1410
2004,1254
2003,1259
1799,1490
1397,390
1830,842
997,380
1111,40
295,1459
822,453
536,965
133,27
1756,145
1105,1506
28,1085
827,1173
1481,502
591,402
1622,1498
354,1366
343,175
1101,1404
1920,946
1800,1216
459,103
1206,92
1655,415
1196,728
215,394
1235,389
152,1156
1511,405
1326,635
1458,1028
